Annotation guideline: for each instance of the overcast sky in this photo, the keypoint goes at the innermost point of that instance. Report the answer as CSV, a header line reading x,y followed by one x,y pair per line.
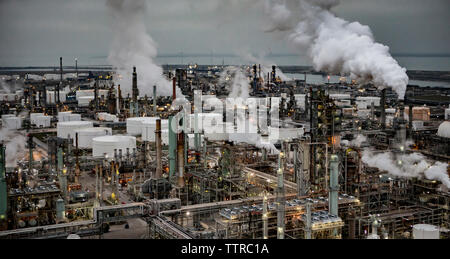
x,y
46,29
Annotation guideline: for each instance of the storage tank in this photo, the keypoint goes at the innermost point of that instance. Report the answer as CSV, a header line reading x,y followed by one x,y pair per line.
x,y
149,128
425,231
52,94
33,117
64,129
74,117
107,144
62,116
12,122
444,130
134,125
7,97
86,135
4,116
43,121
84,101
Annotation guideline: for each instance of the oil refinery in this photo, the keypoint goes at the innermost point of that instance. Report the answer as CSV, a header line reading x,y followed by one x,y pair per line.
x,y
294,160
352,146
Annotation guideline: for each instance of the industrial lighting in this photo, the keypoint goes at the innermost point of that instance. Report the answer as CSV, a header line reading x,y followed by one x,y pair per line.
x,y
188,213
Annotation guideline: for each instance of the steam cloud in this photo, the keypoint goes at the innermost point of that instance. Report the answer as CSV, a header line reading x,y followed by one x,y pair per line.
x,y
335,45
413,165
355,142
15,145
133,46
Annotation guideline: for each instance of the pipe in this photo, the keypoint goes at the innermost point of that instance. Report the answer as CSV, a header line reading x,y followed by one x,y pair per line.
x,y
158,174
308,221
334,185
280,198
172,147
3,186
174,88
180,159
61,78
265,219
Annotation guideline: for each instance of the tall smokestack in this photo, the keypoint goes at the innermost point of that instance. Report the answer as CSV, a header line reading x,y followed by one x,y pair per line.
x,y
274,73
158,174
174,88
180,159
382,107
60,79
135,91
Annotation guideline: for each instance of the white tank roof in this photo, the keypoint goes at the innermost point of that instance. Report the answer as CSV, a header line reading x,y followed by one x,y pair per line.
x,y
444,130
86,135
135,124
107,144
425,231
64,129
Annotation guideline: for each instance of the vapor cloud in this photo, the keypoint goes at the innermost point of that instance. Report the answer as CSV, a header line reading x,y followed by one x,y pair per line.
x,y
335,45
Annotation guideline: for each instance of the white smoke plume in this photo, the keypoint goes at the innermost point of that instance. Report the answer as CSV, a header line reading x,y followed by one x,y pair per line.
x,y
15,145
133,46
355,142
335,45
266,66
412,165
240,84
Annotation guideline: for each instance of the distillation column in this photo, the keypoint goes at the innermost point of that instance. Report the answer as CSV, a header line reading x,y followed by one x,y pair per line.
x,y
158,174
280,197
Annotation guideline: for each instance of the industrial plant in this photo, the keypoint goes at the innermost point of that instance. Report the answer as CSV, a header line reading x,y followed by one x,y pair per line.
x,y
293,160
247,151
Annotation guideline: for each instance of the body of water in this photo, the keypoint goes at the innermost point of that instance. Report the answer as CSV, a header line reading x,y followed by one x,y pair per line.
x,y
409,62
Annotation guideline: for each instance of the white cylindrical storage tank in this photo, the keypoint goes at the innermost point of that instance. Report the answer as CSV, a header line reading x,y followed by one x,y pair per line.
x,y
107,144
62,116
81,93
425,231
86,135
74,117
33,117
66,129
12,122
447,114
134,125
43,121
444,130
4,116
52,94
83,101
149,128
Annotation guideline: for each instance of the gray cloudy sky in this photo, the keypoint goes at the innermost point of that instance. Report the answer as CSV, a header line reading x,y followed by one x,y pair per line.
x,y
34,32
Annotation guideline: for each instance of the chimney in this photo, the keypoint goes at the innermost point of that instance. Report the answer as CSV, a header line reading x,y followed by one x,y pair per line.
x,y
60,79
174,88
135,88
158,174
180,159
274,73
